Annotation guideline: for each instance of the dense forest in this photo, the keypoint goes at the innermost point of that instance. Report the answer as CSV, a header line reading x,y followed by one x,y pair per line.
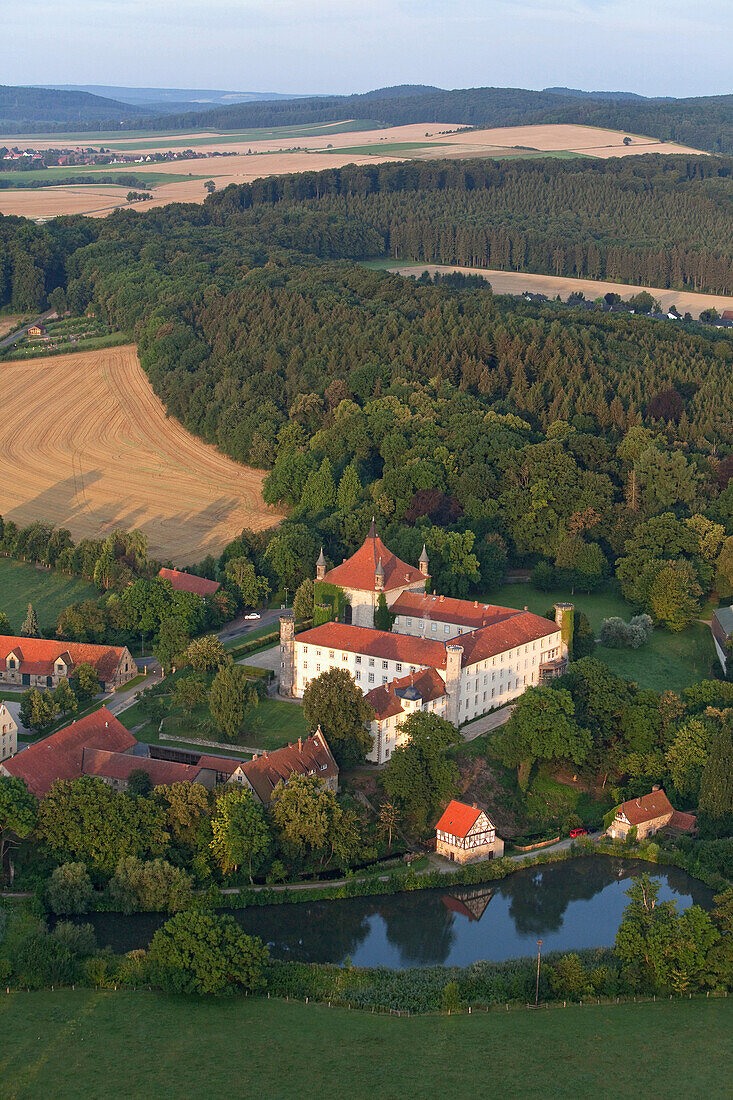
x,y
497,430
654,220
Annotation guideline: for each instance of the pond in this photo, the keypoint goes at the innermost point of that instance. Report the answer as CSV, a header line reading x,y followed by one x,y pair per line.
x,y
569,905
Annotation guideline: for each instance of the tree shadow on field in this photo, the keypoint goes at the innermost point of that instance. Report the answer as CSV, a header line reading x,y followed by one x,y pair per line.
x,y
185,536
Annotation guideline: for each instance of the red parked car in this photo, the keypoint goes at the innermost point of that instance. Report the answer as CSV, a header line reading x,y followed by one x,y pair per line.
x,y
578,832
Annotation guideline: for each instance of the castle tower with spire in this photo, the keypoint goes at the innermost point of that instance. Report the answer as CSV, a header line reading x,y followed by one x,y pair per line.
x,y
373,571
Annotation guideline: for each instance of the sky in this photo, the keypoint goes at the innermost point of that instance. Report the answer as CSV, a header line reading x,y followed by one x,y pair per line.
x,y
654,47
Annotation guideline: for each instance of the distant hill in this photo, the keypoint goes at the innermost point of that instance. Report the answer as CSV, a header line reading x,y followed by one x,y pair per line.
x,y
178,98
34,109
704,123
578,94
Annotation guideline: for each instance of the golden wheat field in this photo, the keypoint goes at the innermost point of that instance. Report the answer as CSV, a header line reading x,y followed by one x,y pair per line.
x,y
86,444
256,157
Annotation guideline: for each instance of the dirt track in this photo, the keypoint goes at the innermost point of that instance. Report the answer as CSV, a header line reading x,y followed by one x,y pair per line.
x,y
86,444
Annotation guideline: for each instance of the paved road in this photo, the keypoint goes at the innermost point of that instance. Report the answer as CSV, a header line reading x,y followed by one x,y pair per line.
x,y
488,722
240,627
15,336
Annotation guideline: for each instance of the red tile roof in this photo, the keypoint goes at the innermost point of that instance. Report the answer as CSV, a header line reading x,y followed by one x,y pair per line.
x,y
189,582
359,570
507,634
638,810
682,822
386,703
376,643
118,765
311,756
38,655
60,755
445,609
477,645
458,819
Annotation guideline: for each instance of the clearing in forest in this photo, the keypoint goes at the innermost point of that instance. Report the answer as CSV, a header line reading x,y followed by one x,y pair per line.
x,y
85,444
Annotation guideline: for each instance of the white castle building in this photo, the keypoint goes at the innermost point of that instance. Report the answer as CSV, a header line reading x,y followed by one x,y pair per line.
x,y
456,658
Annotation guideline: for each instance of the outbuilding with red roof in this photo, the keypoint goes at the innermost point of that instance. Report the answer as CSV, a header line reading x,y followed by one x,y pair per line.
x,y
189,582
464,834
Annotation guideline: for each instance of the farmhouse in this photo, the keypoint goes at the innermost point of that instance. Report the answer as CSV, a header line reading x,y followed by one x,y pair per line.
x,y
36,330
189,582
648,815
41,662
310,756
8,733
457,658
465,834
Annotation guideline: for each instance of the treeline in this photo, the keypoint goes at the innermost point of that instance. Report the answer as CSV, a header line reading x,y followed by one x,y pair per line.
x,y
653,221
704,122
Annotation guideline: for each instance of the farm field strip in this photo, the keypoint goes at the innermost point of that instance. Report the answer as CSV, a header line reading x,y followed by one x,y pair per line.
x,y
86,444
517,282
271,152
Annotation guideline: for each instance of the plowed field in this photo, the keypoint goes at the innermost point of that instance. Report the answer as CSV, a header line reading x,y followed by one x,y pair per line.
x,y
86,444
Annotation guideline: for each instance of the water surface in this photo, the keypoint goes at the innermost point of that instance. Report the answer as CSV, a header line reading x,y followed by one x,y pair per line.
x,y
569,905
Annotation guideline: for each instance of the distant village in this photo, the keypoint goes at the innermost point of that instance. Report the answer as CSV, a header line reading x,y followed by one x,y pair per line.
x,y
20,160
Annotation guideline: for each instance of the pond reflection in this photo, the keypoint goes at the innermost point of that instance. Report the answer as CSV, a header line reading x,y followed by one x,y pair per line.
x,y
569,905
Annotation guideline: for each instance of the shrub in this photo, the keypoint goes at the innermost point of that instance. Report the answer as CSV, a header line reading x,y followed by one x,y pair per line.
x,y
69,890
199,952
617,634
153,886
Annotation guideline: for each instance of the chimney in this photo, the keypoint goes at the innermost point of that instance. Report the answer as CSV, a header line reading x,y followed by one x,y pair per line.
x,y
655,788
300,744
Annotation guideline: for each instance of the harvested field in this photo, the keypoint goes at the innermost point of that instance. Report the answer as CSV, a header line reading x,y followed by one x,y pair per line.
x,y
517,282
86,444
277,154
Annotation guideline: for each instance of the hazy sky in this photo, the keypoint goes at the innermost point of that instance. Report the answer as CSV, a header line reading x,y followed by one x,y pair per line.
x,y
656,47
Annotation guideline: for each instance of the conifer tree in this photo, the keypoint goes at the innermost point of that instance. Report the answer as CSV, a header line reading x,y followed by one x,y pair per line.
x,y
30,628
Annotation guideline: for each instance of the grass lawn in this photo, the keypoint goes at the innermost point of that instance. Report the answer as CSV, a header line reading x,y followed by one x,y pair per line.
x,y
667,660
48,591
597,605
274,723
106,1044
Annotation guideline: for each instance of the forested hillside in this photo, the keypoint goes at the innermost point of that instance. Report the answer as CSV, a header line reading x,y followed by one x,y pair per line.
x,y
654,220
24,110
493,429
704,122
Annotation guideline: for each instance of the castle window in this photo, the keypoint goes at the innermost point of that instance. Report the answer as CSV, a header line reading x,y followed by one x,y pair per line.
x,y
409,622
371,662
330,653
318,668
385,664
358,660
398,666
446,628
433,627
371,677
358,676
421,624
305,664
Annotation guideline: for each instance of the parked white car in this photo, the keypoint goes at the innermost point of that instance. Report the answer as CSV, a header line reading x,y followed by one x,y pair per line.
x,y
253,615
